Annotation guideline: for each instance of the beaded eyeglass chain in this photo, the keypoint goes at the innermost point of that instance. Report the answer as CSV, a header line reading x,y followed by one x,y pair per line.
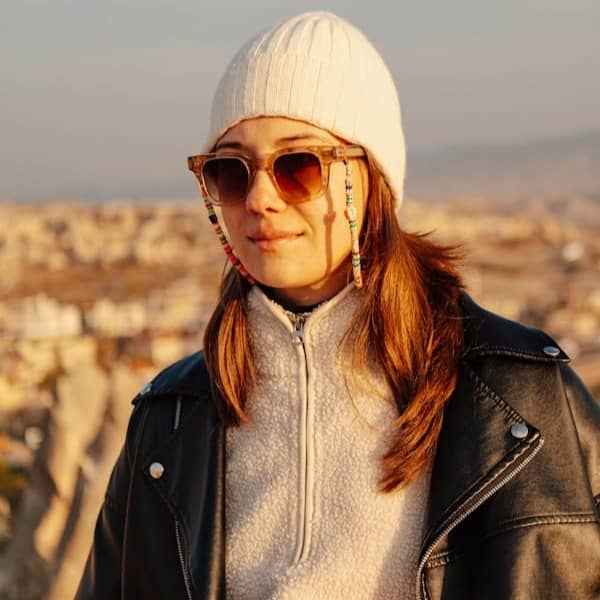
x,y
351,216
233,259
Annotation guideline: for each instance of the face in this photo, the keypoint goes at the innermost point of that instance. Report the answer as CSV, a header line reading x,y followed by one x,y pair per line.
x,y
300,251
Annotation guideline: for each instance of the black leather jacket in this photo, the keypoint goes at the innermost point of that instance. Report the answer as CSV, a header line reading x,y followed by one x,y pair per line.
x,y
513,510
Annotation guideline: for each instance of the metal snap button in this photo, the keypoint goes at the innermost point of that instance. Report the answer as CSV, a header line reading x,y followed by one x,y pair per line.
x,y
551,351
146,388
156,470
519,431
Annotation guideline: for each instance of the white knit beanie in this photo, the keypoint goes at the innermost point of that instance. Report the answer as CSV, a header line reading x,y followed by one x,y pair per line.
x,y
318,68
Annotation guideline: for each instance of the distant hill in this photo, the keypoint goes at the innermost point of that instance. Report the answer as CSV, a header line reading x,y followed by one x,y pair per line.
x,y
556,168
559,174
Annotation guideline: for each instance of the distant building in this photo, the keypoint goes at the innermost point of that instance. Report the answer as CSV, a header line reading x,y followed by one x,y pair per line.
x,y
40,317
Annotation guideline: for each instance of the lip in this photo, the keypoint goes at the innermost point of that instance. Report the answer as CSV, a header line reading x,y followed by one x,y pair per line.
x,y
271,239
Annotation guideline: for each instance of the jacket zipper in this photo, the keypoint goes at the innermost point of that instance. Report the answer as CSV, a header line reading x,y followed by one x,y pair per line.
x,y
302,545
186,580
461,516
177,533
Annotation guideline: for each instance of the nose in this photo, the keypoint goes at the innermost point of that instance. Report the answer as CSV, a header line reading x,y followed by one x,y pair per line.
x,y
262,195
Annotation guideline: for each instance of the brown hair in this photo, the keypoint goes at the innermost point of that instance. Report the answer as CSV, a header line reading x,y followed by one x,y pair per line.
x,y
409,322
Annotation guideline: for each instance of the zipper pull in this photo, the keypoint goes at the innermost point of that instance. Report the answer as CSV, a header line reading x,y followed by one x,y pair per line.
x,y
298,333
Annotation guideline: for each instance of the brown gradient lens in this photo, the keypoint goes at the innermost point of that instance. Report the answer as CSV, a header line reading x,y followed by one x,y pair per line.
x,y
298,175
226,179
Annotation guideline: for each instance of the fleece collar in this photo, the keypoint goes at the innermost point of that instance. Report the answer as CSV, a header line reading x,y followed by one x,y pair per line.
x,y
486,334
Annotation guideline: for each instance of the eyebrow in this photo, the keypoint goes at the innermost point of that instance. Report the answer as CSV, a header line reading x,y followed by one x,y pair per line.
x,y
280,142
306,136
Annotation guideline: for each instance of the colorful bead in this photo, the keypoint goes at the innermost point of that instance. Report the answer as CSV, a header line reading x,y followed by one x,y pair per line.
x,y
351,216
233,259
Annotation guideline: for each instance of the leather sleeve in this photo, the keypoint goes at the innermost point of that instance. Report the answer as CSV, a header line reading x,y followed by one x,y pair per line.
x,y
101,578
586,415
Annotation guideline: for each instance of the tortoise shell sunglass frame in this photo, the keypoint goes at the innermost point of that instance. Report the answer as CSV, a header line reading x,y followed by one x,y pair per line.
x,y
299,174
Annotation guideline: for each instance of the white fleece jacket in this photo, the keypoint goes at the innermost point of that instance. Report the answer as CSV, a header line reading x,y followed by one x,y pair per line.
x,y
304,519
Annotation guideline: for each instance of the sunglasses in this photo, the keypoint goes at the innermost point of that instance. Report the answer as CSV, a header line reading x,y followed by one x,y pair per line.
x,y
299,174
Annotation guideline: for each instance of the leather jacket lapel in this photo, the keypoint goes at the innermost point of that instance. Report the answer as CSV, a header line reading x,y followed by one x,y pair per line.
x,y
483,444
193,488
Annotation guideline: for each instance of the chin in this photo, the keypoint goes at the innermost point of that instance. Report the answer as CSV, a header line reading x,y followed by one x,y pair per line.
x,y
283,283
278,279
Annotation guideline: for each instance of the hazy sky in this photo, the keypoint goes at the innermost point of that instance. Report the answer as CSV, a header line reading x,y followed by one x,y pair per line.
x,y
104,99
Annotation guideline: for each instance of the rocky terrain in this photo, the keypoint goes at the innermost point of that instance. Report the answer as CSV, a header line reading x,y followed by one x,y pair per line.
x,y
95,300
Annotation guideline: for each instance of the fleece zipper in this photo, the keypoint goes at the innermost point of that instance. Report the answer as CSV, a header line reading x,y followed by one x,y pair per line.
x,y
306,450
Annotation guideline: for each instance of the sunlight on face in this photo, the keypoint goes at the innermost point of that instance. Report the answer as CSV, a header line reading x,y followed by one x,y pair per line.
x,y
301,251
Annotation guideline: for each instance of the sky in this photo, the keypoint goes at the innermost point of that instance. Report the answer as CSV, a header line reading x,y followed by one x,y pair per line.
x,y
104,100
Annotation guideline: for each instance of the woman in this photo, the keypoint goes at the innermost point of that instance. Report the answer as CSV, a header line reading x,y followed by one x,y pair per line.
x,y
356,427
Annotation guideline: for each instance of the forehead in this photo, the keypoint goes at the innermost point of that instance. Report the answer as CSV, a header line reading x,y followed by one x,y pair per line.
x,y
267,132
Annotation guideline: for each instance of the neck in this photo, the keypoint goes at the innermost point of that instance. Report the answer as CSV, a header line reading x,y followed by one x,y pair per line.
x,y
307,297
287,305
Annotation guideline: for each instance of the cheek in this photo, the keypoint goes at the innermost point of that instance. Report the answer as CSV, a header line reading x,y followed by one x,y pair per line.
x,y
233,222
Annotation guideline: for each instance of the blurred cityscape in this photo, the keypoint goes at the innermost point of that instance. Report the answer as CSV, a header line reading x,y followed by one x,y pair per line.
x,y
95,300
